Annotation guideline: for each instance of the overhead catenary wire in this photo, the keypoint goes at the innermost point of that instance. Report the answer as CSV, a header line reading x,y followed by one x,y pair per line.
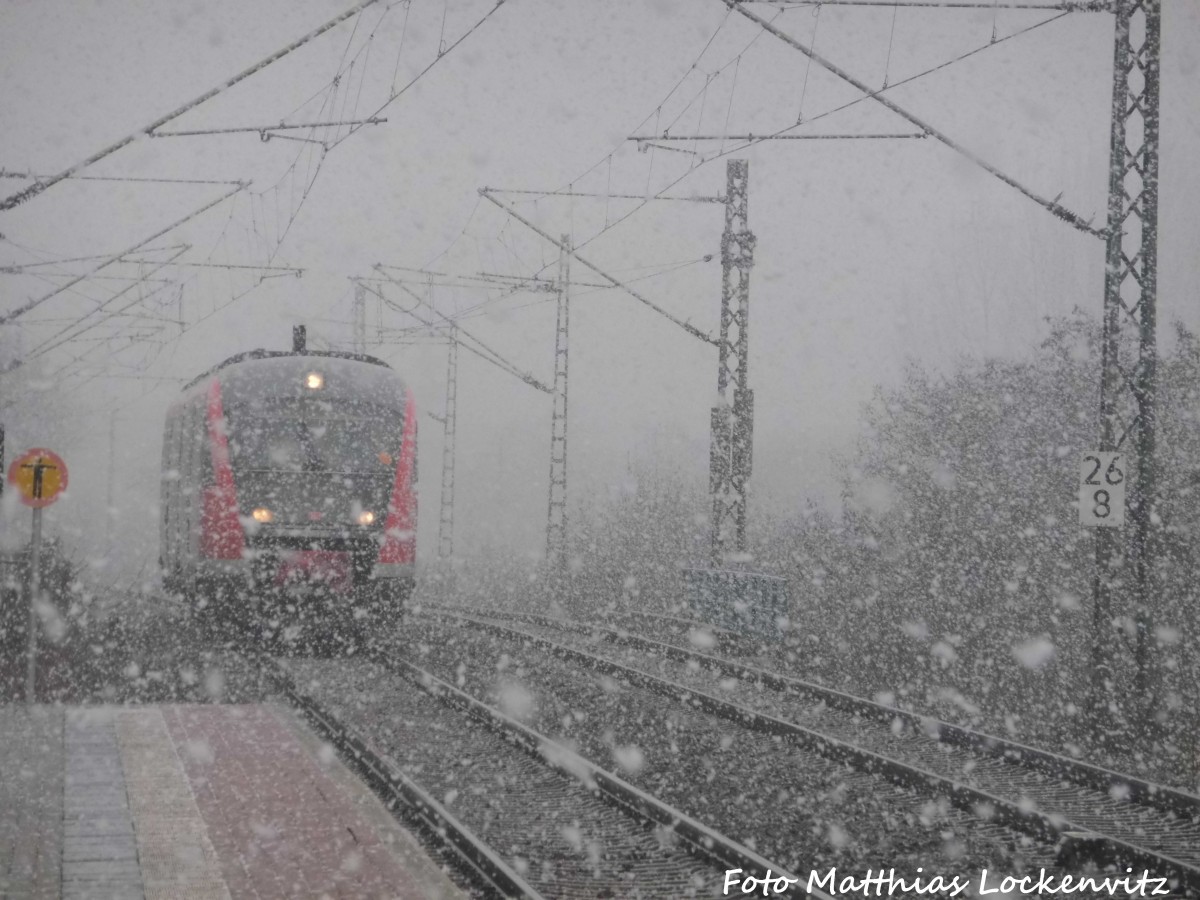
x,y
685,325
62,337
287,270
654,145
634,196
610,224
887,65
131,339
77,290
609,195
18,268
52,342
523,281
33,304
293,213
184,328
326,145
40,186
48,278
911,78
1063,5
888,136
234,295
1053,206
481,308
510,367
647,196
400,48
744,146
732,90
71,368
568,187
130,178
658,109
482,279
483,351
266,129
442,54
662,268
521,286
270,251
807,67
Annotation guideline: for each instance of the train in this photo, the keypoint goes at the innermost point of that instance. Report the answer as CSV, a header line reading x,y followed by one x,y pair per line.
x,y
288,500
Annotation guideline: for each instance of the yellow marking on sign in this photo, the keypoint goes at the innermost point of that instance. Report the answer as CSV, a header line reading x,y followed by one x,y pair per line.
x,y
40,475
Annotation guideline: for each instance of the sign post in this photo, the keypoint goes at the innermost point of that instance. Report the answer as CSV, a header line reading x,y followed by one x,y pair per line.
x,y
40,475
35,584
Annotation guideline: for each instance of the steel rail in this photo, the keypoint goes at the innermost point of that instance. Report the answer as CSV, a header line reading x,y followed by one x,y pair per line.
x,y
1167,799
396,787
1046,826
704,841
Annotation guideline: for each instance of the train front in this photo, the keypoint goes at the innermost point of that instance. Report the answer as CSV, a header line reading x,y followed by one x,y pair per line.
x,y
322,453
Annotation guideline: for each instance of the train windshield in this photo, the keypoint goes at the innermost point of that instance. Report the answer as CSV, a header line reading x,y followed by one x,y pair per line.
x,y
307,436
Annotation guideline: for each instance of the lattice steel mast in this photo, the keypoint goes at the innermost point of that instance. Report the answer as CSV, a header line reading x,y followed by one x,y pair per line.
x,y
733,416
556,519
449,428
1129,375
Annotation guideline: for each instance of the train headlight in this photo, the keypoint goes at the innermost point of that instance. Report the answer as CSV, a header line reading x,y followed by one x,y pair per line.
x,y
314,381
366,517
262,515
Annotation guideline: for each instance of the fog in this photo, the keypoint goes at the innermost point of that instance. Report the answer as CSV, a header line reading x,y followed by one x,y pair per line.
x,y
913,654
869,253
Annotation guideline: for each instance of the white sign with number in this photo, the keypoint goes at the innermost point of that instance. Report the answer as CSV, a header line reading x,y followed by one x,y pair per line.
x,y
1102,489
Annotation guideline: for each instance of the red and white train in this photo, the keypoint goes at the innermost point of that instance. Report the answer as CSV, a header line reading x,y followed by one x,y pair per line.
x,y
288,490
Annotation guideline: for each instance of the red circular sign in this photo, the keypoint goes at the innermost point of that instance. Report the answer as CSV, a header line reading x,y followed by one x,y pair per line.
x,y
40,475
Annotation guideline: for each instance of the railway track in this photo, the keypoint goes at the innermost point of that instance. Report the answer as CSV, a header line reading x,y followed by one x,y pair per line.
x,y
691,632
521,814
483,868
1090,814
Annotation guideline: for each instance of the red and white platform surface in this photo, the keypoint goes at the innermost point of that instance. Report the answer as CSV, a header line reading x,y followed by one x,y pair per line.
x,y
192,802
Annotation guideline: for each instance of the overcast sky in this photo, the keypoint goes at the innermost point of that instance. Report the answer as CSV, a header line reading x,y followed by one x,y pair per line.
x,y
870,252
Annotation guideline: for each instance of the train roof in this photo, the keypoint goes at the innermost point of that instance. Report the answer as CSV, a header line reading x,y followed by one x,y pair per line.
x,y
259,354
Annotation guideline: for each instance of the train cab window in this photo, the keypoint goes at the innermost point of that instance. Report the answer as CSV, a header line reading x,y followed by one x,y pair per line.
x,y
313,437
170,458
196,454
191,423
171,474
185,452
206,476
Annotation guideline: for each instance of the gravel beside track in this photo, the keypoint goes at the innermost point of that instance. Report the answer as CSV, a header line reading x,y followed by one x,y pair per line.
x,y
1141,824
788,803
549,826
1137,823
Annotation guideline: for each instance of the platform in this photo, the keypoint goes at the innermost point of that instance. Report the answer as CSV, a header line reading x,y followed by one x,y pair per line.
x,y
195,802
